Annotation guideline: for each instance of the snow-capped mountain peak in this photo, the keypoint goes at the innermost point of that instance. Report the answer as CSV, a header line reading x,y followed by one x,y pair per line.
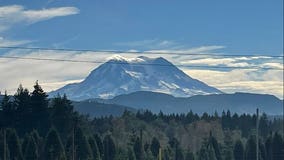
x,y
120,75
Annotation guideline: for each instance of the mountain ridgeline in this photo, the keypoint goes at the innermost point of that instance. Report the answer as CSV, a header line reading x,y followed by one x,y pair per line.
x,y
122,76
155,84
156,102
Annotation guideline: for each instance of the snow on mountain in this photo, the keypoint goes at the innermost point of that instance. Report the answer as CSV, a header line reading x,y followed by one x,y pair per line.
x,y
121,75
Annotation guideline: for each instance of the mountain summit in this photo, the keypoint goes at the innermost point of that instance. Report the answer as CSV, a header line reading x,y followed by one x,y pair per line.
x,y
121,75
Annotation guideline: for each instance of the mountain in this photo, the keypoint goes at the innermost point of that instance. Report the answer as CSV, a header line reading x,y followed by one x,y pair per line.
x,y
95,109
237,102
120,75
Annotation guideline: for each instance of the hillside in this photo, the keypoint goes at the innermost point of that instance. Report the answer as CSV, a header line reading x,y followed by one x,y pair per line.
x,y
95,109
237,102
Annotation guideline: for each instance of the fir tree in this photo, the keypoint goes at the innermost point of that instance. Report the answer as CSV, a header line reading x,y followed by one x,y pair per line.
x,y
130,154
8,111
109,148
203,153
4,148
239,150
155,146
211,152
178,153
277,147
94,148
53,148
22,101
62,114
81,148
39,104
215,145
268,147
167,154
250,153
14,145
228,149
137,147
31,152
99,144
189,155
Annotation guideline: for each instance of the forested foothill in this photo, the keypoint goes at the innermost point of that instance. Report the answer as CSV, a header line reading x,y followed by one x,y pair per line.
x,y
34,127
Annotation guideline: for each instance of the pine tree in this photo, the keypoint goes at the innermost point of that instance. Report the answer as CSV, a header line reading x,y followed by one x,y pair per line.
x,y
6,103
178,153
8,111
262,151
62,114
130,154
83,150
31,152
203,153
214,143
94,148
137,147
250,153
268,147
39,104
167,154
22,101
263,125
207,151
211,152
189,155
277,147
109,148
155,146
239,151
149,155
228,149
2,148
37,138
99,144
14,145
25,143
53,148
122,154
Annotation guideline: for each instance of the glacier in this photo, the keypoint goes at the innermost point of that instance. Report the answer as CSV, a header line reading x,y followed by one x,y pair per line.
x,y
120,75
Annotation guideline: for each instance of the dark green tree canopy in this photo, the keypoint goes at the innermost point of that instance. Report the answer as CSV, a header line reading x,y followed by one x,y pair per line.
x,y
53,148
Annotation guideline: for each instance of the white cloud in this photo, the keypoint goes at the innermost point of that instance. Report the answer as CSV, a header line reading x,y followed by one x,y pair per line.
x,y
6,42
53,75
243,80
209,61
273,65
196,50
14,14
149,44
45,14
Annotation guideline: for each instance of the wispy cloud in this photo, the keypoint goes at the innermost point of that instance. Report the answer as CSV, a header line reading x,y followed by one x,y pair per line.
x,y
196,50
242,80
53,75
253,62
148,44
6,42
168,46
15,14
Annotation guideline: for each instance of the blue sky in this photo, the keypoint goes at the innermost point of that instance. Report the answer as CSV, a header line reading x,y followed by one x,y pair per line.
x,y
243,27
204,26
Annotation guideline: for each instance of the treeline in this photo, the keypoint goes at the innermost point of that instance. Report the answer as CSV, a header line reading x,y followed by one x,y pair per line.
x,y
34,127
243,122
